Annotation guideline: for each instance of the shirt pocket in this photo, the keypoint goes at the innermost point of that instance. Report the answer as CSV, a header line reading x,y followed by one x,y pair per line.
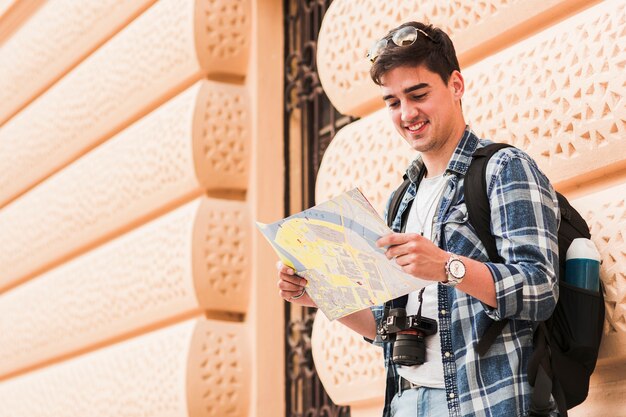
x,y
456,216
460,235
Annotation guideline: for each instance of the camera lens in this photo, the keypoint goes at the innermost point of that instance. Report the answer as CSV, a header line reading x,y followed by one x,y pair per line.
x,y
409,349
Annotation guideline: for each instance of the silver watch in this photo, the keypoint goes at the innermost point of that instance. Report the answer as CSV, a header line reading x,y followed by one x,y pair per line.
x,y
455,271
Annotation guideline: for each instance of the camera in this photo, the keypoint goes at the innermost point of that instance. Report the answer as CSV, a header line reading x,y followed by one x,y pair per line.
x,y
407,333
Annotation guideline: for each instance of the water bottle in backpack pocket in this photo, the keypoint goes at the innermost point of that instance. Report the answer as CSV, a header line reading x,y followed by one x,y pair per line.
x,y
582,265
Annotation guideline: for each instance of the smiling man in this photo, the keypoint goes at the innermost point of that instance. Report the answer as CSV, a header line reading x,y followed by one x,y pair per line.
x,y
437,371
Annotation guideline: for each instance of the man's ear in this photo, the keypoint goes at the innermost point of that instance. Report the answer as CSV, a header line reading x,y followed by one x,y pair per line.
x,y
456,84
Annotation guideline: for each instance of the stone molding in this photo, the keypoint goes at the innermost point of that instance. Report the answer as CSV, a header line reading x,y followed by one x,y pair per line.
x,y
122,81
477,28
198,368
194,258
54,39
143,171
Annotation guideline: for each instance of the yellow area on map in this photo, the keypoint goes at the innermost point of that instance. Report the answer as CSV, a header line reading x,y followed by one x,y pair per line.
x,y
313,252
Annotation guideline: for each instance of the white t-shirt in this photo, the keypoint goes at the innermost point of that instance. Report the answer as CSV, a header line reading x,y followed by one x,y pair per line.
x,y
420,220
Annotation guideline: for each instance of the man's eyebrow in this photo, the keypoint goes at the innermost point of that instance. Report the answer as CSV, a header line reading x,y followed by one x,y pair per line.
x,y
415,87
407,90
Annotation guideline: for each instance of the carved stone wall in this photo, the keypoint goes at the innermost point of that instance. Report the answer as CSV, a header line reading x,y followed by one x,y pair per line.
x,y
568,95
137,144
146,375
547,77
133,175
58,35
121,81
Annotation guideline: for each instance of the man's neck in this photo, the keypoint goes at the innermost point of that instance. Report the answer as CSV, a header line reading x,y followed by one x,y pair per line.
x,y
437,160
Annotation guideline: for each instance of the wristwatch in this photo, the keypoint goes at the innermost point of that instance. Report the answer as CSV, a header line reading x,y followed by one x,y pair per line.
x,y
455,271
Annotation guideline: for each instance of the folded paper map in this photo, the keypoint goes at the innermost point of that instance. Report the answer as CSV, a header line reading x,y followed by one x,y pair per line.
x,y
333,246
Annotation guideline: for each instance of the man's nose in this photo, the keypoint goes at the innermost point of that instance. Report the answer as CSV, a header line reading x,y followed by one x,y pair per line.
x,y
409,113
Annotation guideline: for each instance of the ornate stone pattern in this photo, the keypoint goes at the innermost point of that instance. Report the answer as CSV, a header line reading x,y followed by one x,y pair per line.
x,y
222,255
605,212
136,280
143,376
227,31
218,371
368,154
51,41
145,167
225,138
351,26
559,95
351,369
122,79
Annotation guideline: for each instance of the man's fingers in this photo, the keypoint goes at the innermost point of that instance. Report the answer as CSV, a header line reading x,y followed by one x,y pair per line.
x,y
291,286
284,269
395,239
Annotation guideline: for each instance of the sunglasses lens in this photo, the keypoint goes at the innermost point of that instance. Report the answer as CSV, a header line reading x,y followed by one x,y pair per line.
x,y
376,50
405,36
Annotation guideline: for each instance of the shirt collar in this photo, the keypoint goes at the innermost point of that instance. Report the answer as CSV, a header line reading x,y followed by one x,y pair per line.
x,y
459,163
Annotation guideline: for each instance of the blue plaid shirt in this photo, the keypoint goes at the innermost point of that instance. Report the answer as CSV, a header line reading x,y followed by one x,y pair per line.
x,y
524,221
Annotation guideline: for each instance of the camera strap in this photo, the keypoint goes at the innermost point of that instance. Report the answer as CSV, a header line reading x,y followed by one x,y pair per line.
x,y
420,298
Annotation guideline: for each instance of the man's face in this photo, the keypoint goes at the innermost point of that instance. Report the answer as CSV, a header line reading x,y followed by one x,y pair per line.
x,y
425,111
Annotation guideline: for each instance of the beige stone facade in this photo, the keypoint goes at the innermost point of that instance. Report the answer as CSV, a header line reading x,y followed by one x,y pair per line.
x,y
141,139
137,146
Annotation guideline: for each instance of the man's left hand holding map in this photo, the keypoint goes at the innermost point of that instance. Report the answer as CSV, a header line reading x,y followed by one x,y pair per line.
x,y
333,246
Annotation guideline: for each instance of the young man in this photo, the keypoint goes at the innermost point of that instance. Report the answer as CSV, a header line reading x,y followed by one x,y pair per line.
x,y
418,72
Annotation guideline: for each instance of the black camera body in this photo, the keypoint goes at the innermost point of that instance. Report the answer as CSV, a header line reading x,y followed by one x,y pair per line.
x,y
407,333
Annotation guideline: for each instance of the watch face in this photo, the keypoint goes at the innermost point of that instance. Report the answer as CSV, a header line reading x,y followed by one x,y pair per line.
x,y
457,268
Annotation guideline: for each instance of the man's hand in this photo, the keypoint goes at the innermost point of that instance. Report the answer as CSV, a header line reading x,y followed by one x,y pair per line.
x,y
291,287
416,255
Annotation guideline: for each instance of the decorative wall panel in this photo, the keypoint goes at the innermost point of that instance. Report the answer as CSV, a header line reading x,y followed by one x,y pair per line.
x,y
560,95
147,375
192,258
368,154
219,370
53,40
121,81
351,26
351,369
605,211
146,168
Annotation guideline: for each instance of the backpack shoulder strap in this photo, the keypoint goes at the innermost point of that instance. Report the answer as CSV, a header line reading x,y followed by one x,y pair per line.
x,y
394,205
476,198
479,212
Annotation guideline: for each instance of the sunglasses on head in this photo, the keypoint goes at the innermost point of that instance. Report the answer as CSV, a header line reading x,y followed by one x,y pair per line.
x,y
405,36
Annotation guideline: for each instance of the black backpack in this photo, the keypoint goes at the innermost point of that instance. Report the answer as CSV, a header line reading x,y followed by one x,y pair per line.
x,y
566,345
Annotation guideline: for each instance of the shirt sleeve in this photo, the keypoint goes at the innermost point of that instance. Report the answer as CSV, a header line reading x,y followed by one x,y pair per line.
x,y
524,222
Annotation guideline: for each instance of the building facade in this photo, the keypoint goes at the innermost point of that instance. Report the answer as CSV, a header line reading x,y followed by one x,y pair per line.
x,y
141,139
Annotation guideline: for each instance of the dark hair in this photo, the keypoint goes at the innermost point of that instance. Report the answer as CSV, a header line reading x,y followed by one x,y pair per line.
x,y
437,53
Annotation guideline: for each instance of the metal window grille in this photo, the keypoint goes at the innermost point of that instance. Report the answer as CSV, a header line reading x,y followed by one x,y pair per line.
x,y
310,124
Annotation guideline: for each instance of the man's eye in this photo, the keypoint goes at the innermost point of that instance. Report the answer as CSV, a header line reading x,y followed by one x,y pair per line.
x,y
419,97
392,104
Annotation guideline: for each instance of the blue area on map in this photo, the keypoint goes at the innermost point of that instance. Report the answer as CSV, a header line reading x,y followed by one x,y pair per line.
x,y
369,235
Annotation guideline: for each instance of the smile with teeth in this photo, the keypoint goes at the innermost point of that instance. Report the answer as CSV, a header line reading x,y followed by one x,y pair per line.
x,y
415,127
